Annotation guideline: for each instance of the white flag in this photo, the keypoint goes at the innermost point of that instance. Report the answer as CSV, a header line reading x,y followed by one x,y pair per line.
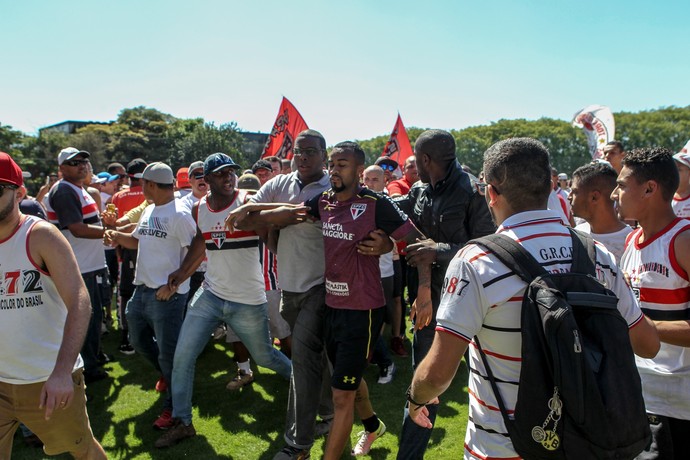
x,y
597,123
686,149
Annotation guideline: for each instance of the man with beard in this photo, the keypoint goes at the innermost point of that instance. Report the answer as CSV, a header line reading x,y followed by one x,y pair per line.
x,y
41,382
232,292
301,277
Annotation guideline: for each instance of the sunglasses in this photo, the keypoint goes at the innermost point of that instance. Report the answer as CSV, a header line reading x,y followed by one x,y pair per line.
x,y
387,167
75,162
7,186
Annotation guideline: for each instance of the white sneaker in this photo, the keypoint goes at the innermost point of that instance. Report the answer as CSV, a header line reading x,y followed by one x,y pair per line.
x,y
366,439
387,374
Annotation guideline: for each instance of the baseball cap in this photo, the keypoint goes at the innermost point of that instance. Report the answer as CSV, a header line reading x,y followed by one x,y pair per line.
x,y
69,153
683,158
107,177
217,161
183,178
10,172
194,166
262,164
248,182
135,168
562,176
158,172
386,161
97,180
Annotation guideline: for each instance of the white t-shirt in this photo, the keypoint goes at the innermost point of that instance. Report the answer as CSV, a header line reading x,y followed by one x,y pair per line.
x,y
483,298
386,264
554,204
614,242
164,233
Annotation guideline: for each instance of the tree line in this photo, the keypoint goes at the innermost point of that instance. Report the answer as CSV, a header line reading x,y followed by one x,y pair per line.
x,y
156,136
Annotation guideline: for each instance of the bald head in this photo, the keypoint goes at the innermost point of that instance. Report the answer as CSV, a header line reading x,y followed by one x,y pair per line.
x,y
439,145
374,178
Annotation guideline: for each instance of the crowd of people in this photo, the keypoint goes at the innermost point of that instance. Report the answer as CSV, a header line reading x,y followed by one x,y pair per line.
x,y
302,265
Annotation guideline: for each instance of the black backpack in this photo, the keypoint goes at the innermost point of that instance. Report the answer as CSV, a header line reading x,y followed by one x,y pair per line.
x,y
579,395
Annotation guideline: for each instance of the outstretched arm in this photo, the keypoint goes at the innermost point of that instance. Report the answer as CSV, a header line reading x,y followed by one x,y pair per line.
x,y
252,216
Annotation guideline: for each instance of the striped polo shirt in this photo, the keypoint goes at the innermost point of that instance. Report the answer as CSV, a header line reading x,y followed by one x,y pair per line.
x,y
663,290
482,297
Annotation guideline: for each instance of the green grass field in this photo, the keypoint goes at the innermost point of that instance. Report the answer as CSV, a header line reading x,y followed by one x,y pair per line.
x,y
242,425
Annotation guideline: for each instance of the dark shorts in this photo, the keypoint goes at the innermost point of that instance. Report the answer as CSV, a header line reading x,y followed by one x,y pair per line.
x,y
350,337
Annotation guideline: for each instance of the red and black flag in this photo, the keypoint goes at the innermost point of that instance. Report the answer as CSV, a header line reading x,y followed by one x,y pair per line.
x,y
288,125
398,147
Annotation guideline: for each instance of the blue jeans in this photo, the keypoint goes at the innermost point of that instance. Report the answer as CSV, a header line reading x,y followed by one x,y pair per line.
x,y
310,385
414,438
154,327
206,310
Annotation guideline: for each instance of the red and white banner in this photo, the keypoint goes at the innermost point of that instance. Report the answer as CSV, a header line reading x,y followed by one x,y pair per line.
x,y
289,123
686,149
398,147
597,123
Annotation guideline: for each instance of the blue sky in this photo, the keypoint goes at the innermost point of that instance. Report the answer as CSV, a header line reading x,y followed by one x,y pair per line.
x,y
349,67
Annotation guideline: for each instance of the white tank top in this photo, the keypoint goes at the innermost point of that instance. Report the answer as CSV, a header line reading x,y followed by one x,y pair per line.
x,y
663,290
32,313
233,271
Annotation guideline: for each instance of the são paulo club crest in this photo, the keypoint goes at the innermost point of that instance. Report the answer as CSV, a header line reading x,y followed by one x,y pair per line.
x,y
357,210
218,238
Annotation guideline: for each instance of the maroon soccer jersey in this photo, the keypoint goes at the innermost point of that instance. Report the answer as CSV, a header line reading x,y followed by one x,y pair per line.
x,y
353,281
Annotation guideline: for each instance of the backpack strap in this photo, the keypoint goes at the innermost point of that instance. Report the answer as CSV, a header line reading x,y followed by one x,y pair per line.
x,y
494,386
584,253
512,255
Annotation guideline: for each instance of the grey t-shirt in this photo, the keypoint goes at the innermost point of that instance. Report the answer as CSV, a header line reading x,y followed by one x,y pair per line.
x,y
300,247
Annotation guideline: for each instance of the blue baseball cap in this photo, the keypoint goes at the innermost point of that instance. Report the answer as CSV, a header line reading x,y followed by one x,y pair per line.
x,y
107,177
217,161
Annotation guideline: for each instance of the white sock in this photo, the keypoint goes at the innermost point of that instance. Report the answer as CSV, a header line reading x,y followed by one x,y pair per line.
x,y
245,367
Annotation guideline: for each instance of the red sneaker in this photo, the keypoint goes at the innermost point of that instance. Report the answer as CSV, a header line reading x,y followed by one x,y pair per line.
x,y
398,347
164,421
161,385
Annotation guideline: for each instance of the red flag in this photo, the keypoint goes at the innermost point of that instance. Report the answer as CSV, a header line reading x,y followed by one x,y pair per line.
x,y
288,125
398,147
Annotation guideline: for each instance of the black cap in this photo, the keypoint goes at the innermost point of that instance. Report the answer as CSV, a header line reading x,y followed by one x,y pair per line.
x,y
135,168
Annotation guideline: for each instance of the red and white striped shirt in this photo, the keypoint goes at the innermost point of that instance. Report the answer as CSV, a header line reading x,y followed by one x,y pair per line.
x,y
483,297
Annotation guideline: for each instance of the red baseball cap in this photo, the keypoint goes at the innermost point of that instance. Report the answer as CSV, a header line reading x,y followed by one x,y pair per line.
x,y
10,173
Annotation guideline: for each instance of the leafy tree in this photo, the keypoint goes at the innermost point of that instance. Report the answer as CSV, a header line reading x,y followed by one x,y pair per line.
x,y
194,139
666,127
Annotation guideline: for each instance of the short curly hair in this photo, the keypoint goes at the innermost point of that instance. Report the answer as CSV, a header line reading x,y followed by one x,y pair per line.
x,y
657,164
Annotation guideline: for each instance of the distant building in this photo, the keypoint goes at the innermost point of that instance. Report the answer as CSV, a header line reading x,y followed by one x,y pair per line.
x,y
71,126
